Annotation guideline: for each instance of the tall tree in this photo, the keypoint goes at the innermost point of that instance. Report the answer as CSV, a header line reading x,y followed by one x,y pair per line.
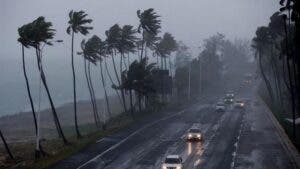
x,y
87,62
126,44
113,38
149,24
39,34
23,40
77,24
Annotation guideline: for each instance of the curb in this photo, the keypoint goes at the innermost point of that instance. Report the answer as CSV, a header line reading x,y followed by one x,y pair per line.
x,y
285,141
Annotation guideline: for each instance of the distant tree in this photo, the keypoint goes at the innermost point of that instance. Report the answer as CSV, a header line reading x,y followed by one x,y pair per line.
x,y
139,78
165,47
149,26
77,24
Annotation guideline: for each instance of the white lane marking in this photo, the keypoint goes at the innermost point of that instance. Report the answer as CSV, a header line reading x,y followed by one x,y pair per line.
x,y
100,140
134,133
236,144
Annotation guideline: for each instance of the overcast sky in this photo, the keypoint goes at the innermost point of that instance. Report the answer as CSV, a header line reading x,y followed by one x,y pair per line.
x,y
190,21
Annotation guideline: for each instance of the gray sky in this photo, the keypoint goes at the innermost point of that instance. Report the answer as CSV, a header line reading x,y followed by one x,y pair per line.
x,y
190,21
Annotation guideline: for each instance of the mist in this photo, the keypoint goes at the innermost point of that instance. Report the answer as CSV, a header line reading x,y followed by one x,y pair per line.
x,y
189,21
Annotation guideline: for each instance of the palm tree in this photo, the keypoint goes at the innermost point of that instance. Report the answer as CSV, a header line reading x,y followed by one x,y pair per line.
x,y
139,78
113,38
165,47
38,35
6,146
87,58
77,24
261,40
23,40
126,44
149,23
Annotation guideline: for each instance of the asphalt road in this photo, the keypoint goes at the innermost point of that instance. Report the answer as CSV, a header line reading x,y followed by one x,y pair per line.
x,y
232,139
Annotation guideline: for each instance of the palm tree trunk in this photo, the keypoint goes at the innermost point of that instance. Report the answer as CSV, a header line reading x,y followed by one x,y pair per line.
x,y
74,88
6,146
90,91
291,91
93,94
38,148
111,80
104,88
43,78
128,60
119,82
268,85
142,50
131,103
140,101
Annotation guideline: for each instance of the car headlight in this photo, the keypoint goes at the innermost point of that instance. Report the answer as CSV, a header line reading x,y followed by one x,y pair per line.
x,y
178,167
242,104
231,99
164,167
198,135
189,135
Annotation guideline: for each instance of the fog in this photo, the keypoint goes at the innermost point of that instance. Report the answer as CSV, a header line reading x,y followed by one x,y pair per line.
x,y
190,21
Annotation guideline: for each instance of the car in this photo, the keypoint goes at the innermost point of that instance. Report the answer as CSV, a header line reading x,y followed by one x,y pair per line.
x,y
230,95
239,104
228,100
220,107
172,162
194,134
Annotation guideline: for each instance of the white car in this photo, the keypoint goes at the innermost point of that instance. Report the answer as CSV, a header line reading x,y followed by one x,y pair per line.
x,y
220,107
172,162
194,134
239,104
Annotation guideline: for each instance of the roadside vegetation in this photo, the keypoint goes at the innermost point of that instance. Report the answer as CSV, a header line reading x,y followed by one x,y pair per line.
x,y
277,50
131,79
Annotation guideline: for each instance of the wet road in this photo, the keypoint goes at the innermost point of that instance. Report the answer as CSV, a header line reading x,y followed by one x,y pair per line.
x,y
232,139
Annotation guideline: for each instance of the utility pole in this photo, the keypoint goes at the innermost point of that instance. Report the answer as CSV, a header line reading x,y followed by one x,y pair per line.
x,y
189,87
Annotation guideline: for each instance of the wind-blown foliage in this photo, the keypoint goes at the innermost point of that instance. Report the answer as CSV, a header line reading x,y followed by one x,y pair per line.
x,y
149,26
77,24
37,34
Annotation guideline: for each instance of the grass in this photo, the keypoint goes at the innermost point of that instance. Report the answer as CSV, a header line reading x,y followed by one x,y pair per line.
x,y
56,151
24,152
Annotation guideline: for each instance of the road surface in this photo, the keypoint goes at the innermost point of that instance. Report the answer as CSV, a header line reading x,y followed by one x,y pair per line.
x,y
233,139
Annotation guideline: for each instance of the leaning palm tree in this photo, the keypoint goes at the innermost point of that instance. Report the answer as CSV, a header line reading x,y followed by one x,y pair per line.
x,y
165,47
77,24
39,34
126,44
6,146
149,23
87,58
113,38
25,29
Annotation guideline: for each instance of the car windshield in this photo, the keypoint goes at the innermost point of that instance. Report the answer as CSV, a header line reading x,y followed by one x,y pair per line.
x,y
220,104
194,130
172,161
